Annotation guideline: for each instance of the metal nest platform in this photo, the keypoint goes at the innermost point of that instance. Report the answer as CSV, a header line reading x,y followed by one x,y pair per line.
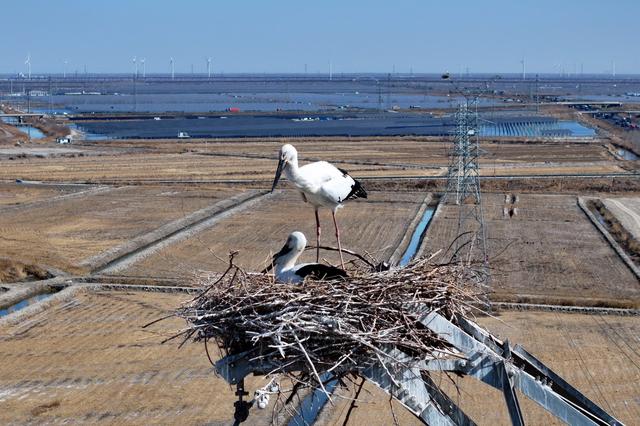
x,y
479,355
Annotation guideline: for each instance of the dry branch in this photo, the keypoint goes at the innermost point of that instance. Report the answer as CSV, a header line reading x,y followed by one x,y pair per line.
x,y
338,327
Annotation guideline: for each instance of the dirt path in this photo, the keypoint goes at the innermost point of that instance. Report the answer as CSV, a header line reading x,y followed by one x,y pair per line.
x,y
627,210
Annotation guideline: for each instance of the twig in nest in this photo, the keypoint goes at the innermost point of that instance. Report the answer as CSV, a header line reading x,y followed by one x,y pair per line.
x,y
331,329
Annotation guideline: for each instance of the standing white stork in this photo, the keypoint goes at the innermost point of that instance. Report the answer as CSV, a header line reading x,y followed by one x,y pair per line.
x,y
321,184
286,270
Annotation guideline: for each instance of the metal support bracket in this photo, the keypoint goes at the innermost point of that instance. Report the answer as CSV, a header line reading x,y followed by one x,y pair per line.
x,y
480,355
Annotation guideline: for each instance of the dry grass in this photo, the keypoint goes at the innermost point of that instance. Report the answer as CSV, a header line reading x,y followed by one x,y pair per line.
x,y
14,194
416,151
253,159
12,271
548,252
90,361
375,225
62,233
180,167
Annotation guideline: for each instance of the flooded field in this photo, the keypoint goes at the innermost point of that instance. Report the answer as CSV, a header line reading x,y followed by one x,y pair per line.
x,y
382,124
537,128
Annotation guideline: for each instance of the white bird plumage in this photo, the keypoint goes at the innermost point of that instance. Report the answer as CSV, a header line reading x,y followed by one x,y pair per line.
x,y
286,270
321,184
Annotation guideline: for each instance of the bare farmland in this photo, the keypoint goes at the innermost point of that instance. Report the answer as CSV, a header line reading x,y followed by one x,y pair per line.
x,y
61,233
546,250
375,225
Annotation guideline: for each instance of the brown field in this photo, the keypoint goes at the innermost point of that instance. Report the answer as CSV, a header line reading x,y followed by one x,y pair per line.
x,y
400,151
601,167
596,354
547,252
88,360
15,194
142,161
375,225
179,167
62,233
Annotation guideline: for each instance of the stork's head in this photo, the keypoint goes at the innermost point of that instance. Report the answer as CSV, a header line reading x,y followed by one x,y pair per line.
x,y
296,242
288,156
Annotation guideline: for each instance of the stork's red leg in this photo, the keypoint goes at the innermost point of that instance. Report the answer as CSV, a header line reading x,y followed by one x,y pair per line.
x,y
335,223
317,237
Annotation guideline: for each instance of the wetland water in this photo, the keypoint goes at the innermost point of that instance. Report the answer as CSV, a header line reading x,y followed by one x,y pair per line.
x,y
33,132
355,124
417,237
24,303
627,155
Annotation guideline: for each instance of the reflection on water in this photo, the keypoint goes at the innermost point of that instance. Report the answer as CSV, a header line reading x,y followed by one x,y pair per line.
x,y
33,132
264,101
417,237
546,128
24,303
627,155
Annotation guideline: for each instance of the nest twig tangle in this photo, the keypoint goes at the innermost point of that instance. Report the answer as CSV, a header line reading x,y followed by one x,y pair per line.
x,y
336,328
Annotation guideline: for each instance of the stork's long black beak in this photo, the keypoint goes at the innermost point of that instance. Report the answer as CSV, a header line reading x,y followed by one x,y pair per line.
x,y
278,173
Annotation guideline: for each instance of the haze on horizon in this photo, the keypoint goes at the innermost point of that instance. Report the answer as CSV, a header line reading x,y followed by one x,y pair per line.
x,y
288,36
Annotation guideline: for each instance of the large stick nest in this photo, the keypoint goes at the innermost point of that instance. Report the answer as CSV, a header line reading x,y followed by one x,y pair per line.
x,y
337,326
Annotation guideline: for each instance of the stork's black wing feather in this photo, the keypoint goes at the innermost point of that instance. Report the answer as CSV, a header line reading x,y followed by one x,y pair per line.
x,y
318,271
357,190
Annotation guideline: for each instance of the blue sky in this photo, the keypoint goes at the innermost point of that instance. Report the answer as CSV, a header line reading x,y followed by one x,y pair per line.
x,y
357,36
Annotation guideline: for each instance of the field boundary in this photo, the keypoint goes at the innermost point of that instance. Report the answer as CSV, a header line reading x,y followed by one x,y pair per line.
x,y
612,242
563,308
129,253
36,203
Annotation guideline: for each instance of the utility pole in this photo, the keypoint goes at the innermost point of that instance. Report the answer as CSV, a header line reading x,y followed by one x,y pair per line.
x,y
463,187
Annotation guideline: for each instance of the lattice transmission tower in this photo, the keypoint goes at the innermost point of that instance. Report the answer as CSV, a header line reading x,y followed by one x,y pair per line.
x,y
463,187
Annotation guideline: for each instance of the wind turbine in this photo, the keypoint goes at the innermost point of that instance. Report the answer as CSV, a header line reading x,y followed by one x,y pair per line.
x,y
209,67
524,69
172,64
64,74
135,67
27,62
143,61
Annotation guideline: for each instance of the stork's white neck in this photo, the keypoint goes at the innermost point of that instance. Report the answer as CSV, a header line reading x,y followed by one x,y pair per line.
x,y
287,261
293,172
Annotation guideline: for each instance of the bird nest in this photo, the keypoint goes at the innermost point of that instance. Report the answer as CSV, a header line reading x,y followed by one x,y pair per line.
x,y
338,327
